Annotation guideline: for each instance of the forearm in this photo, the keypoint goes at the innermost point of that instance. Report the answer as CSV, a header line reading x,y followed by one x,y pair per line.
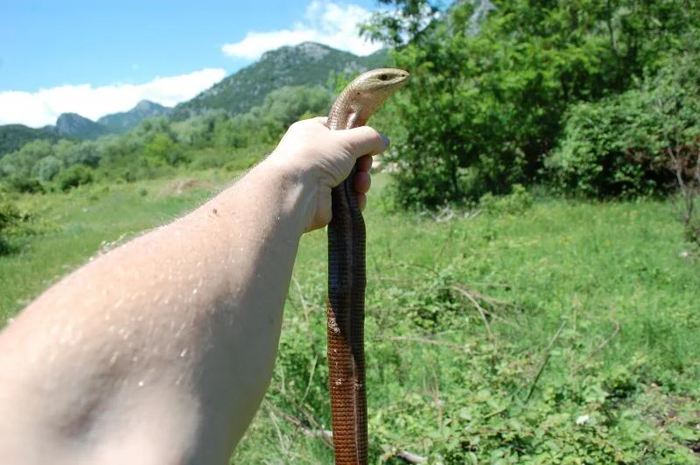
x,y
160,351
194,308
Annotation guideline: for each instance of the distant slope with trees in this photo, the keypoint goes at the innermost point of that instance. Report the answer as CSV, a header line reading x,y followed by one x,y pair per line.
x,y
307,64
14,136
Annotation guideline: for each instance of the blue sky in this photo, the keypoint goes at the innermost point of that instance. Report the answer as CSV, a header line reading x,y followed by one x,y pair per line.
x,y
97,57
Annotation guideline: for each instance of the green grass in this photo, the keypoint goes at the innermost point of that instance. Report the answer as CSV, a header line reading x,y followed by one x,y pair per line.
x,y
591,310
75,226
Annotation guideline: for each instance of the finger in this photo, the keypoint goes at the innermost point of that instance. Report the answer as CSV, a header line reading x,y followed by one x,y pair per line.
x,y
362,182
364,141
319,119
364,163
362,201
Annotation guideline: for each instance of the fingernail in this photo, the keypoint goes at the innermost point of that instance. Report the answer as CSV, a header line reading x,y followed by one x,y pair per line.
x,y
385,140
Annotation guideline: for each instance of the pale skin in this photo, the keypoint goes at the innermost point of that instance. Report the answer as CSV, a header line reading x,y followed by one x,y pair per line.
x,y
160,351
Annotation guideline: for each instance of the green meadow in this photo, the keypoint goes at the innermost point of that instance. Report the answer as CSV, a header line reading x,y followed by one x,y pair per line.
x,y
558,332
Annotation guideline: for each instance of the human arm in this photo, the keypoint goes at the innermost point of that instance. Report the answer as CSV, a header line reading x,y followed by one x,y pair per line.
x,y
161,350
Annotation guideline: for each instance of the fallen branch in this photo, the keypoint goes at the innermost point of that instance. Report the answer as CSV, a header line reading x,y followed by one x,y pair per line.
x,y
410,457
404,455
473,296
482,312
546,360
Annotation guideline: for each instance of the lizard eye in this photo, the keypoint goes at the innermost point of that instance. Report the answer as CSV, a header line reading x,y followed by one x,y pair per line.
x,y
383,77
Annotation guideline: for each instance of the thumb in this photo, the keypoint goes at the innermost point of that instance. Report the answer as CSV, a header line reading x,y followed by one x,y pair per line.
x,y
364,141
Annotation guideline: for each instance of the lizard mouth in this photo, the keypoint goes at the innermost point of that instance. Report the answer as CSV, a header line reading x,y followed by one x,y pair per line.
x,y
401,78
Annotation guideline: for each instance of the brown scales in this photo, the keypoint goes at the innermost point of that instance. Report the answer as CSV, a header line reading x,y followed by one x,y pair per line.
x,y
346,275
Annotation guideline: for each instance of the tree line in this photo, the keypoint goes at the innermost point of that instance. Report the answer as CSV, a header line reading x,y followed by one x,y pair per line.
x,y
162,146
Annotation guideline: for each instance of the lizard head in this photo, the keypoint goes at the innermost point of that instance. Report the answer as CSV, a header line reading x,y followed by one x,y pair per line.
x,y
372,88
382,80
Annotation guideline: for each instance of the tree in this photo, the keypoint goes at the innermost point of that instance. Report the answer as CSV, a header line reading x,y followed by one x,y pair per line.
x,y
637,142
485,104
163,150
406,22
47,168
10,216
76,175
20,163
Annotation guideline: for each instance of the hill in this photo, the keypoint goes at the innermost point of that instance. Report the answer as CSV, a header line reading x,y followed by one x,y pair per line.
x,y
75,126
122,122
14,136
78,127
308,64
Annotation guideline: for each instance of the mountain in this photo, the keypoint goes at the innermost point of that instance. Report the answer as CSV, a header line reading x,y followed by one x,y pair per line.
x,y
14,136
308,64
72,125
120,123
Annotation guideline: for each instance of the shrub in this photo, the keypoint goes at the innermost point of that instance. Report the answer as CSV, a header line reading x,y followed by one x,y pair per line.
x,y
76,175
608,149
48,167
24,185
632,143
517,202
10,216
163,150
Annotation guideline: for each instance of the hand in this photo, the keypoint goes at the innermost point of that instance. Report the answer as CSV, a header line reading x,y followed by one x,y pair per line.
x,y
325,158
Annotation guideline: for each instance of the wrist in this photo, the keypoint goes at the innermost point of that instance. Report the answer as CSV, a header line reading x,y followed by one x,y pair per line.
x,y
293,191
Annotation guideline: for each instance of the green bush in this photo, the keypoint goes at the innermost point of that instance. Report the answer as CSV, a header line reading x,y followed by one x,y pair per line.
x,y
610,148
209,158
625,145
517,202
24,185
48,167
10,217
240,164
163,150
489,89
76,175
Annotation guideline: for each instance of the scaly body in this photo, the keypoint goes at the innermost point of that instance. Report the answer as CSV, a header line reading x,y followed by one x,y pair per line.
x,y
346,275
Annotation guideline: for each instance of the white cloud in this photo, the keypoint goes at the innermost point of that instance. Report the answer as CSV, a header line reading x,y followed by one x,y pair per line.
x,y
326,22
44,106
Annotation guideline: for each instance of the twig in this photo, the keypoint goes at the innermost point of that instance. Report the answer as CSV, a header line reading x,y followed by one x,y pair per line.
x,y
311,377
435,394
482,312
316,431
410,457
606,342
305,307
309,417
273,418
494,302
325,434
421,340
497,412
470,215
435,272
404,455
546,359
304,303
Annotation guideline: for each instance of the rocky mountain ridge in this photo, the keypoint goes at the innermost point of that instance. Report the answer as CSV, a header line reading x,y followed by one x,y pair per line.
x,y
307,64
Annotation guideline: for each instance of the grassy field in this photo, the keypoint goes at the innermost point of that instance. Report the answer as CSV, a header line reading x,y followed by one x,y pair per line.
x,y
566,333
